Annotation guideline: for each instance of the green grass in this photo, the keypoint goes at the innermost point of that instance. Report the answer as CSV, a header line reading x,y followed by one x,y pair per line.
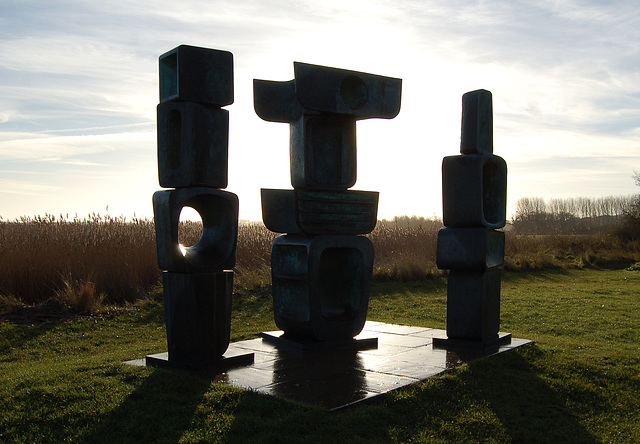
x,y
66,381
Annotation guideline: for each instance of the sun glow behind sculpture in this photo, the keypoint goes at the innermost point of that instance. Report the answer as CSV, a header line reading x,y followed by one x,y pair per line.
x,y
77,131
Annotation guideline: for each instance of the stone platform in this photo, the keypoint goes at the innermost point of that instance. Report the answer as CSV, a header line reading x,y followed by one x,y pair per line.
x,y
334,379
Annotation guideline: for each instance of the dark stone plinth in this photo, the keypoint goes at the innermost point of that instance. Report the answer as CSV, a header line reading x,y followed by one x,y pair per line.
x,y
321,285
304,345
216,249
469,249
198,316
218,365
319,212
202,75
335,379
474,191
192,145
477,122
463,344
473,305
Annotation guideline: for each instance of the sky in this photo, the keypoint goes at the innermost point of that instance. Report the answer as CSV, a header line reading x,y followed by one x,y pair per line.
x,y
79,90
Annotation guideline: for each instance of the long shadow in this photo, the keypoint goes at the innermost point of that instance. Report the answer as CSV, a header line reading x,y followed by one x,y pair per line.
x,y
527,407
159,410
528,410
167,404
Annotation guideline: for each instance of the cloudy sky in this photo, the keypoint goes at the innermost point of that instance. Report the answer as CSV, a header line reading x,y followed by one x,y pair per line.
x,y
79,89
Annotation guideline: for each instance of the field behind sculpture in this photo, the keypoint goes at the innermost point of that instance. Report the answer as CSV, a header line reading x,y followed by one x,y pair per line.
x,y
112,260
66,381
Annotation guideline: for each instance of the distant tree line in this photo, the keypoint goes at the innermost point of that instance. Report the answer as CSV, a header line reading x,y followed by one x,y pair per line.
x,y
576,215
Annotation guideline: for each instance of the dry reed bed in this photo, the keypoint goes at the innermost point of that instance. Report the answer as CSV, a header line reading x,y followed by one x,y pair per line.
x,y
45,257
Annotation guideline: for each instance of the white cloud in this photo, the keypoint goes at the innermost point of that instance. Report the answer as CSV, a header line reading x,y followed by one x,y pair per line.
x,y
79,83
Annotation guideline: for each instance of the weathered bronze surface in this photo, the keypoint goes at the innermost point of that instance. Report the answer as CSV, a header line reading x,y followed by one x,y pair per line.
x,y
474,195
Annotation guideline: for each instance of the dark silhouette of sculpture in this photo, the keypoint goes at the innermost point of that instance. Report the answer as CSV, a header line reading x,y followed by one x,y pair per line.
x,y
321,267
195,83
474,192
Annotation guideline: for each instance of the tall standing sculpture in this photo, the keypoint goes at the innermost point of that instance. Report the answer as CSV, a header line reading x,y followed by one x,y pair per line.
x,y
195,83
474,193
321,267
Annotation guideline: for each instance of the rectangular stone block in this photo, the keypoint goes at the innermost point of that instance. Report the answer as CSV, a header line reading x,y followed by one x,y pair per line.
x,y
321,285
323,152
477,123
192,145
319,212
216,249
191,73
474,191
473,305
341,91
198,315
469,249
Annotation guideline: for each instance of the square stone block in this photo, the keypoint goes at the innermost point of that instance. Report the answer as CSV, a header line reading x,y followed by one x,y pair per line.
x,y
319,212
216,249
477,123
323,152
473,305
321,285
469,249
195,74
474,191
192,145
198,315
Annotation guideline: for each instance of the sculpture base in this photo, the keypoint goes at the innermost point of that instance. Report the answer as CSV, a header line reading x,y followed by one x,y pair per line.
x,y
465,344
301,345
221,364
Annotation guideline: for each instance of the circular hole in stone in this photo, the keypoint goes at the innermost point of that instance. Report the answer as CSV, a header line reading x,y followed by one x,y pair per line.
x,y
354,92
189,228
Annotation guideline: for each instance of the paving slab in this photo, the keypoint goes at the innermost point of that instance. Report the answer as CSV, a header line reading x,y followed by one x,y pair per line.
x,y
334,379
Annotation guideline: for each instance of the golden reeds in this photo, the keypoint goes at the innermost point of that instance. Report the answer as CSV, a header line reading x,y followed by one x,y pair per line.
x,y
115,259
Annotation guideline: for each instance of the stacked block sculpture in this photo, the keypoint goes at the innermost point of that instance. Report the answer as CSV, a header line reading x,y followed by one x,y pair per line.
x,y
474,187
321,266
195,83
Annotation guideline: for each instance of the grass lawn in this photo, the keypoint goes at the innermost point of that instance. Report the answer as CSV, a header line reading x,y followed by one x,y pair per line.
x,y
579,382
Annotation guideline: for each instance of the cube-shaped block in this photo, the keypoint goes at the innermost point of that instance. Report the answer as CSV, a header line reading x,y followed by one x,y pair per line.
x,y
469,249
192,145
473,305
474,191
319,212
216,249
198,315
323,152
202,75
321,285
477,123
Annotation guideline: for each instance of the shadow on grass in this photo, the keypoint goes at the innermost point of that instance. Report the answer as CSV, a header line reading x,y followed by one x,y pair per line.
x,y
159,410
527,407
496,399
